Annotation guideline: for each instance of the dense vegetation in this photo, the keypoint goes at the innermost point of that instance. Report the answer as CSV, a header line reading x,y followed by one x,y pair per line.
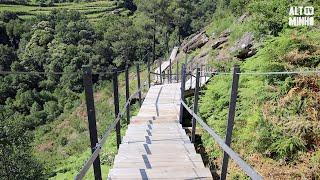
x,y
42,134
277,120
43,131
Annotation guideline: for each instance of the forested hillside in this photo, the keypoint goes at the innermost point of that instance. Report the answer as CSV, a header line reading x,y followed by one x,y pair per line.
x,y
42,133
43,128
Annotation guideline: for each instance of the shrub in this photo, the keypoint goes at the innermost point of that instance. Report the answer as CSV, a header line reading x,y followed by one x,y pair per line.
x,y
270,15
52,109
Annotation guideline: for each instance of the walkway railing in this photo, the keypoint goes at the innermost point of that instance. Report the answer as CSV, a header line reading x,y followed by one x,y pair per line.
x,y
225,145
96,144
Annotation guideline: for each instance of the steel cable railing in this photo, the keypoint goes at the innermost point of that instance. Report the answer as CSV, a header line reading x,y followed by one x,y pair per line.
x,y
242,164
105,135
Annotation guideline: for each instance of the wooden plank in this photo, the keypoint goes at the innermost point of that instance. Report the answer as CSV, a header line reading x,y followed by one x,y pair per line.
x,y
155,140
160,173
155,145
145,163
154,118
154,122
155,157
191,83
156,126
157,148
157,134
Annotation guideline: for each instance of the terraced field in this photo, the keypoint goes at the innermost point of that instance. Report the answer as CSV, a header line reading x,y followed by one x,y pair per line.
x,y
93,10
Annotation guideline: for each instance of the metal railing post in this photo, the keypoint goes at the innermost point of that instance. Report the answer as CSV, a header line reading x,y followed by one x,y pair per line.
x,y
231,114
154,45
149,70
191,79
186,59
177,73
139,84
170,72
116,105
160,72
127,94
87,83
195,106
183,86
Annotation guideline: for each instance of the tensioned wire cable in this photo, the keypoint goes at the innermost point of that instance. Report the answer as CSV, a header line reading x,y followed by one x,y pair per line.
x,y
264,73
37,72
205,72
52,73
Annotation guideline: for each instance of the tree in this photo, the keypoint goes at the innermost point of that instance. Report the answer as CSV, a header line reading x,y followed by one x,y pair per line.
x,y
16,157
7,56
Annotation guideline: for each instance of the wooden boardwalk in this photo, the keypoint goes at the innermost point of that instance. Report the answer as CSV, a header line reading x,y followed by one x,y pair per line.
x,y
166,64
191,83
155,145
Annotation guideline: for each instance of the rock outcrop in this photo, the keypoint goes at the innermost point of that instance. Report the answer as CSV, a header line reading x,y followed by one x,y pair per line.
x,y
243,48
195,41
222,39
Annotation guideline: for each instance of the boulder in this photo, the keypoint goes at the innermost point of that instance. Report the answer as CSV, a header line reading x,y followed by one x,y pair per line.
x,y
187,39
243,48
197,41
225,33
222,39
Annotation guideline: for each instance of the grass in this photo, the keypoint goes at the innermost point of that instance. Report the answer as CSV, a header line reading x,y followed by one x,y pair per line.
x,y
265,131
269,136
225,20
92,10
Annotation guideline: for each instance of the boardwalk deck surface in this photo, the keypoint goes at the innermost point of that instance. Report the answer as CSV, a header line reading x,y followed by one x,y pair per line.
x,y
191,83
155,145
165,64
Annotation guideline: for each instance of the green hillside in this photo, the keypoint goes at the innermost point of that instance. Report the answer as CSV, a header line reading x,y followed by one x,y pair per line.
x,y
43,121
94,10
43,126
277,118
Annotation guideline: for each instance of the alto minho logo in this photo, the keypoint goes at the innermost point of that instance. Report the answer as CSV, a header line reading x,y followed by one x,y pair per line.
x,y
301,16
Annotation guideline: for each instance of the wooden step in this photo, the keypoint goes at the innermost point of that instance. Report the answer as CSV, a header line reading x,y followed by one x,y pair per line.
x,y
156,134
155,145
144,161
156,149
154,122
155,140
155,157
160,173
151,128
156,126
163,126
158,164
144,128
154,118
